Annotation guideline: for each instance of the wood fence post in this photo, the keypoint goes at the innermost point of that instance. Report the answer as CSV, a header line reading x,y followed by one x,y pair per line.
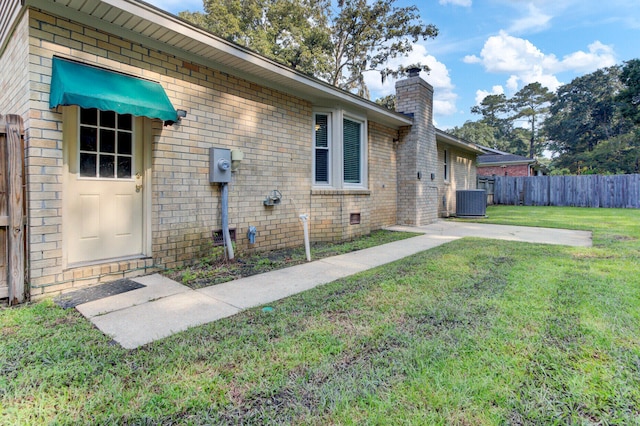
x,y
15,203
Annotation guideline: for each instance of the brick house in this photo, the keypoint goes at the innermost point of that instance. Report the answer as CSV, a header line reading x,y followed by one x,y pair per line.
x,y
117,188
498,163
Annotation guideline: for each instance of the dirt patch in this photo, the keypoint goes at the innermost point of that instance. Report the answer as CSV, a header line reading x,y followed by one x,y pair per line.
x,y
216,269
623,238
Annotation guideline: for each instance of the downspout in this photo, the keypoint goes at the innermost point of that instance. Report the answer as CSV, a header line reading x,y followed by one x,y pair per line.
x,y
225,220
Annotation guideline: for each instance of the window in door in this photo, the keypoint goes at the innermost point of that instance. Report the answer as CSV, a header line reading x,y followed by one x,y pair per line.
x,y
106,144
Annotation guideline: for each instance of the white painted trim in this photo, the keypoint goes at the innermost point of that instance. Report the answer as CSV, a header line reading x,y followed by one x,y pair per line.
x,y
69,133
147,181
336,150
364,145
330,148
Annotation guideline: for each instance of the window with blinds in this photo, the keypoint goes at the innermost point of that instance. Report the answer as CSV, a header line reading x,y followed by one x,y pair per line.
x,y
339,150
352,147
321,149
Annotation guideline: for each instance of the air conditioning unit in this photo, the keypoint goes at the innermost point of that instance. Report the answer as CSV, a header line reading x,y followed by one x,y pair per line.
x,y
471,203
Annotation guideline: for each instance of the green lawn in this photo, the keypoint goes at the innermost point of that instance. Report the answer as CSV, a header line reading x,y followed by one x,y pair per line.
x,y
472,332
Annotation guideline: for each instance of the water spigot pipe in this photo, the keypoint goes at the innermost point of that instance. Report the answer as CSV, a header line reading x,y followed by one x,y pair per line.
x,y
307,248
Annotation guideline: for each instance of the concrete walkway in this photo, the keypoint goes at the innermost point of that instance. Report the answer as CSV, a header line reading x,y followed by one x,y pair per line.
x,y
164,307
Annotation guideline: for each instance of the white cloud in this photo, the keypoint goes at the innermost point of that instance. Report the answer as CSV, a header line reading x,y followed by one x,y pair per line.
x,y
599,56
481,94
465,3
512,83
525,63
444,96
535,20
472,59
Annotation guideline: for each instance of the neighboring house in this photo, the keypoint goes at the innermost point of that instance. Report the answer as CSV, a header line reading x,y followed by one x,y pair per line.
x,y
117,184
498,163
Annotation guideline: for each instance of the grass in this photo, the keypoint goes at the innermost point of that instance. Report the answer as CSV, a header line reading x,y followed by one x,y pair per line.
x,y
215,269
473,332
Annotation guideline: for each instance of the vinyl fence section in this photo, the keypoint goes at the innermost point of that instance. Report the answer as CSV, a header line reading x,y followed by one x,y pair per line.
x,y
615,191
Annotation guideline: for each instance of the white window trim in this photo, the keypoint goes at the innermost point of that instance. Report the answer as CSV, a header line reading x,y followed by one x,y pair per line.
x,y
336,150
363,152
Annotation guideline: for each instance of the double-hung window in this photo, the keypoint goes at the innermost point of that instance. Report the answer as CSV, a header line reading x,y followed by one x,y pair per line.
x,y
339,150
322,150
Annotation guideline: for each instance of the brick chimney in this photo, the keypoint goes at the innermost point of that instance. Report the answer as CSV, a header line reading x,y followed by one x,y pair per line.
x,y
417,156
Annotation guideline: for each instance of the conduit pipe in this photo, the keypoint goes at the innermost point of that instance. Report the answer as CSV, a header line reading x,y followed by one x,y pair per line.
x,y
305,225
225,220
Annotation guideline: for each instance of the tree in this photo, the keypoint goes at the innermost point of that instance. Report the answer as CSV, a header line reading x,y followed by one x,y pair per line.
x,y
531,102
619,154
336,45
494,110
293,32
584,114
477,132
366,35
629,96
389,102
519,142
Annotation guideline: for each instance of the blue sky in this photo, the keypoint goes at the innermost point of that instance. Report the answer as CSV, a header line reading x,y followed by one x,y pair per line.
x,y
499,46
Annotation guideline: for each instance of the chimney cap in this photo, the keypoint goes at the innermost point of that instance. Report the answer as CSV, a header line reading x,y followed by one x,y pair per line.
x,y
414,72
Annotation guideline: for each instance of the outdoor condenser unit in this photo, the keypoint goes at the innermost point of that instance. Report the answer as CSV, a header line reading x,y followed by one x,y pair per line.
x,y
471,203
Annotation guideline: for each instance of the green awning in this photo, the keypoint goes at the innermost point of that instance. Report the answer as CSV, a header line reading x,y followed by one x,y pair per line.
x,y
73,83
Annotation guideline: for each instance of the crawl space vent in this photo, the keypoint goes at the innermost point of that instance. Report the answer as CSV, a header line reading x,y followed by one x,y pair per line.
x,y
218,238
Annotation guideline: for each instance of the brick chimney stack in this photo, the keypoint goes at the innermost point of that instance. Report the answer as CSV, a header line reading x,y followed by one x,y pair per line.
x,y
417,155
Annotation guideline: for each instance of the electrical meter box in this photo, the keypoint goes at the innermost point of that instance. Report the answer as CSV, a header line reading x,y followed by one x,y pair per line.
x,y
219,165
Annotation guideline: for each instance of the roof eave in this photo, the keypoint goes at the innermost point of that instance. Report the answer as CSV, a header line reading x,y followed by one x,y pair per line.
x,y
460,143
192,43
509,163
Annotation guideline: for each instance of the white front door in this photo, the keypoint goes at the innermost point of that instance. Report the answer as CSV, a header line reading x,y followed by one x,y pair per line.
x,y
103,206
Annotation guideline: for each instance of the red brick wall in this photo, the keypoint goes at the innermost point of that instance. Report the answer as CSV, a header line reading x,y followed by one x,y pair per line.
x,y
512,170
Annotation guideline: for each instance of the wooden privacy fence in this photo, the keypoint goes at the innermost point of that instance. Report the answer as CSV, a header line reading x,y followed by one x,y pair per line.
x,y
619,191
12,253
487,183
